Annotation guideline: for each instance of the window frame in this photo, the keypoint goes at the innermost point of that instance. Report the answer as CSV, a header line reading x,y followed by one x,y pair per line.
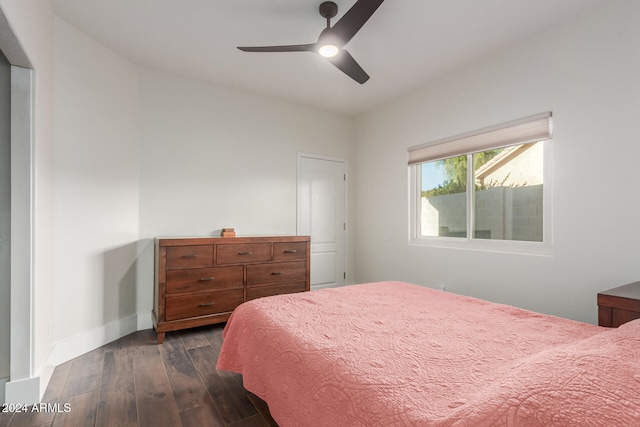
x,y
469,242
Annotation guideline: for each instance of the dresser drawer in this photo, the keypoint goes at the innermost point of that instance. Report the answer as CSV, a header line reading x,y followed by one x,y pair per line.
x,y
243,253
205,279
281,272
189,256
270,290
185,306
289,251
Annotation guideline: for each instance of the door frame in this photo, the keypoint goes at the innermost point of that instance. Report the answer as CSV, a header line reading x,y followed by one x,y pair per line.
x,y
22,346
23,386
300,156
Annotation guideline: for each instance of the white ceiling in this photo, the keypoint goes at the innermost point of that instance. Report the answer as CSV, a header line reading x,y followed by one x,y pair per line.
x,y
404,44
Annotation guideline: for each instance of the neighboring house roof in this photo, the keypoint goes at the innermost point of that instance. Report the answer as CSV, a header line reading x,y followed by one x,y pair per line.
x,y
516,165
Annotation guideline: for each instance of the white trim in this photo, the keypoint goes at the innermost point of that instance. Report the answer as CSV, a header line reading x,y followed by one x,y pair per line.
x,y
414,176
45,376
544,248
80,344
547,197
507,246
21,343
144,321
325,286
322,157
25,391
3,381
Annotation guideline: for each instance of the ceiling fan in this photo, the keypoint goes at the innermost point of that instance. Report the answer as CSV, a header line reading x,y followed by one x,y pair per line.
x,y
332,39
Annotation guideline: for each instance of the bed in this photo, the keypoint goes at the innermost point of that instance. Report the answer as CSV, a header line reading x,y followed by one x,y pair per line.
x,y
398,354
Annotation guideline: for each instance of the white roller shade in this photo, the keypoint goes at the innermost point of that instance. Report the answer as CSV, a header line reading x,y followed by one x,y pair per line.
x,y
521,131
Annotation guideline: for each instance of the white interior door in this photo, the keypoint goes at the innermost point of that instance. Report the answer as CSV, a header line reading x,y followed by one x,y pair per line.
x,y
321,215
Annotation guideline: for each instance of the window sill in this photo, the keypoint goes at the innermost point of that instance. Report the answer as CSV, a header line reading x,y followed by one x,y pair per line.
x,y
504,246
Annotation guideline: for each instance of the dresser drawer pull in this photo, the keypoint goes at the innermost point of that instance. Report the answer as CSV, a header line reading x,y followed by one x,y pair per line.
x,y
190,256
245,253
290,251
206,279
277,273
205,304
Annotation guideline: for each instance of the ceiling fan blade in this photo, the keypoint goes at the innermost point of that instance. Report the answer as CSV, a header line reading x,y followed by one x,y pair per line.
x,y
354,19
345,62
286,48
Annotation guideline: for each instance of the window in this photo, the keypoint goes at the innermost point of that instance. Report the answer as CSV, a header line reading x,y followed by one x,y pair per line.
x,y
483,186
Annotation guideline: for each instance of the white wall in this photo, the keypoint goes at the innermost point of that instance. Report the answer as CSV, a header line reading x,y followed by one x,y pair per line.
x,y
140,154
587,73
213,157
95,190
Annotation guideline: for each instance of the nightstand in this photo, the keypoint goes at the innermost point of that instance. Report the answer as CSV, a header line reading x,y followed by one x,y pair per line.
x,y
619,305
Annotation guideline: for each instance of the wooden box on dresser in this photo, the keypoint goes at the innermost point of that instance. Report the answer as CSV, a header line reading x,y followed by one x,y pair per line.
x,y
201,280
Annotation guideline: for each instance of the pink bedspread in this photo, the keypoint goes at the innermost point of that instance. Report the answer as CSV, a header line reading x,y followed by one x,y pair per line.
x,y
397,354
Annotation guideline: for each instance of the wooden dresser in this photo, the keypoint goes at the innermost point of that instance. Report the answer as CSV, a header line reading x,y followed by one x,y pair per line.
x,y
201,280
619,305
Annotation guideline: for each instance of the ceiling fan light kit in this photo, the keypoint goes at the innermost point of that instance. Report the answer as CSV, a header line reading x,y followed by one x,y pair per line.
x,y
328,50
332,39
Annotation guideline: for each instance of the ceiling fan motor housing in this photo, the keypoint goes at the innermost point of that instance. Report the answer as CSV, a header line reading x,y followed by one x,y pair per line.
x,y
328,9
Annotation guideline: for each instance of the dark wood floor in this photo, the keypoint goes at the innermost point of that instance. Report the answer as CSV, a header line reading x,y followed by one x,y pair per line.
x,y
135,382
